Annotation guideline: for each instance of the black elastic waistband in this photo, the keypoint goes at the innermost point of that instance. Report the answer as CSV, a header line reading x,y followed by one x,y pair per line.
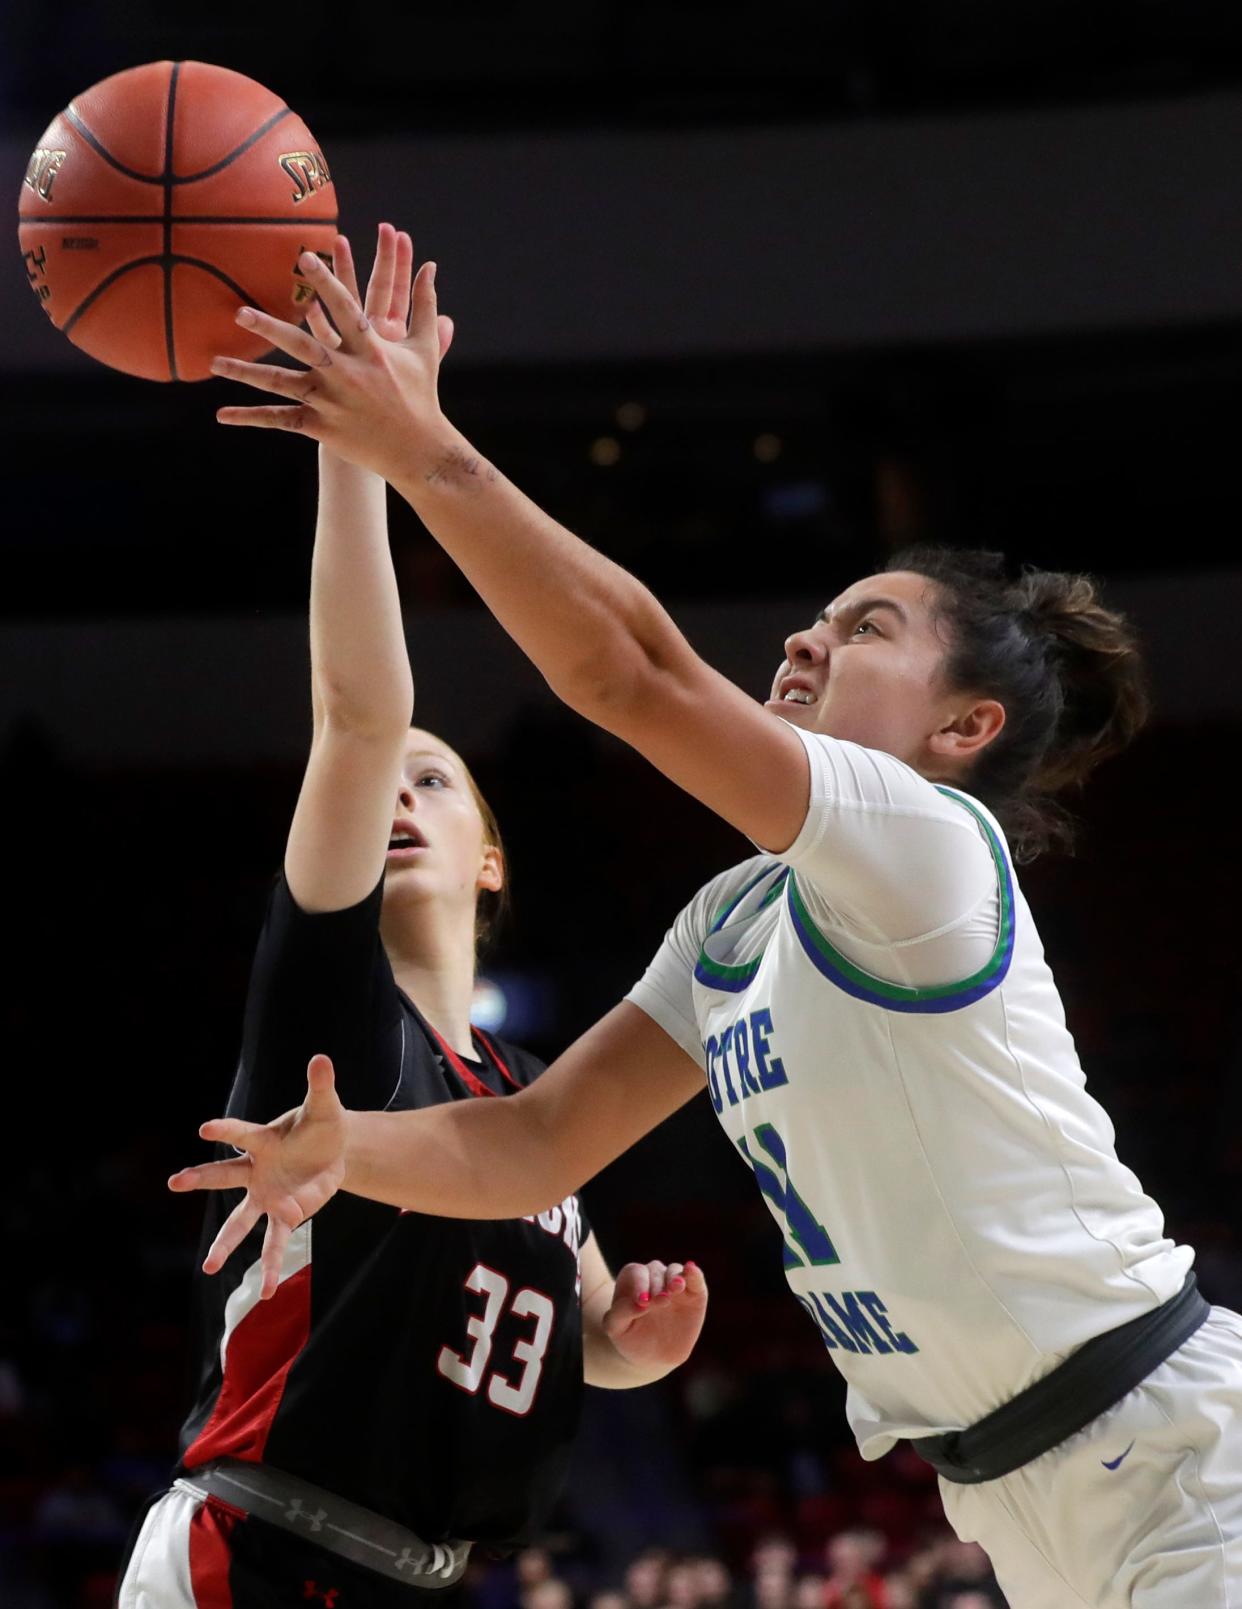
x,y
331,1522
1087,1384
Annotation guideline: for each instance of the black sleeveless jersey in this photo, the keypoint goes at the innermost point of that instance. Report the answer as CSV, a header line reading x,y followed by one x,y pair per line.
x,y
427,1368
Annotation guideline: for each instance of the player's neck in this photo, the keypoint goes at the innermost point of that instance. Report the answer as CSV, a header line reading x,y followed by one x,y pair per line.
x,y
433,962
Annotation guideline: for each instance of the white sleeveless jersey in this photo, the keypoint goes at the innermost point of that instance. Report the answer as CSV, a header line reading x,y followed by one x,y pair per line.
x,y
886,1049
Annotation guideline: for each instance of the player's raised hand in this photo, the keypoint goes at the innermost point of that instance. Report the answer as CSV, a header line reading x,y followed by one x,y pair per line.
x,y
371,399
292,1166
389,291
657,1312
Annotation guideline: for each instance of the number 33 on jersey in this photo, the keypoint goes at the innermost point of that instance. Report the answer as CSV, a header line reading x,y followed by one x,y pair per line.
x,y
510,1380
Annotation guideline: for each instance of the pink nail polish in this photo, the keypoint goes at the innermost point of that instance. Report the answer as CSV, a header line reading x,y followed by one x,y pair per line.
x,y
643,1299
691,1268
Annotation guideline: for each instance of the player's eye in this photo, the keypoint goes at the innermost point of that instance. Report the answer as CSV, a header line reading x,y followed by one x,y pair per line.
x,y
428,778
867,625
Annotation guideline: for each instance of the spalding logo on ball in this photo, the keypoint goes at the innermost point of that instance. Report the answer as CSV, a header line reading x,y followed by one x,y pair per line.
x,y
159,202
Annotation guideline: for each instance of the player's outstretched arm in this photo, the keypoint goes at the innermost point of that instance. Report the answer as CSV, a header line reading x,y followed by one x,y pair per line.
x,y
599,637
464,1159
362,691
640,1325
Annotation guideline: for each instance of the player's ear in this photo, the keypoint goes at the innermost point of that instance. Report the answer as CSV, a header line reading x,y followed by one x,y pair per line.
x,y
971,729
492,870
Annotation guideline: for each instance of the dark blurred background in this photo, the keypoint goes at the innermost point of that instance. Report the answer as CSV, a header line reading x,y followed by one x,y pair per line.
x,y
748,299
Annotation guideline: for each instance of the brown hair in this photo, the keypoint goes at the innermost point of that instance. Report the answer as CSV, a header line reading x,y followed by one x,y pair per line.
x,y
492,906
1067,670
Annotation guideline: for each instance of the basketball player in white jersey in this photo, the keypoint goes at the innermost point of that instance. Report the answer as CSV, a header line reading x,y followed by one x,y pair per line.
x,y
867,999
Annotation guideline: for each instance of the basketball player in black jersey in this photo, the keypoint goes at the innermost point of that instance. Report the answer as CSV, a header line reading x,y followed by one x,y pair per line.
x,y
412,1385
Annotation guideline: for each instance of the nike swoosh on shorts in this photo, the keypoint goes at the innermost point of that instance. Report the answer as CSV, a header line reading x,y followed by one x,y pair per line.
x,y
1112,1463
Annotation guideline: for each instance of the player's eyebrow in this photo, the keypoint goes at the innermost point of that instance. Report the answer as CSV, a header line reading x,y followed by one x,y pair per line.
x,y
866,606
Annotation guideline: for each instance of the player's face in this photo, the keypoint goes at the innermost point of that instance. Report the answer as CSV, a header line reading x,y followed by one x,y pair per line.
x,y
868,669
437,848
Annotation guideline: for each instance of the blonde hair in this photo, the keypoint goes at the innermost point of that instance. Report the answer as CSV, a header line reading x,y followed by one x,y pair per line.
x,y
492,905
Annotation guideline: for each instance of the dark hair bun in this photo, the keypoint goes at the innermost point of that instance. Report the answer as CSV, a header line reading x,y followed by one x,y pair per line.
x,y
1096,658
1066,669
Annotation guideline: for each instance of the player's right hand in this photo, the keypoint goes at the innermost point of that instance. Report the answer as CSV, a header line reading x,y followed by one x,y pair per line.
x,y
388,303
292,1166
369,399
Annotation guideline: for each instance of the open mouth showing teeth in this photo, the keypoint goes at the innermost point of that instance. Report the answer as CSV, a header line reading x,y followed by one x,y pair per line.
x,y
798,695
404,840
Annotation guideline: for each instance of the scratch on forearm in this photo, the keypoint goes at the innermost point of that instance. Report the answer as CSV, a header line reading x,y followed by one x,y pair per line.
x,y
458,468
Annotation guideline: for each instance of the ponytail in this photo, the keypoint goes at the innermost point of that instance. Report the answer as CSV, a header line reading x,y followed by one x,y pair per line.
x,y
1097,662
1066,669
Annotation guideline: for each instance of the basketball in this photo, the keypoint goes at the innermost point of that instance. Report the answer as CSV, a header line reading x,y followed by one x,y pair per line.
x,y
160,201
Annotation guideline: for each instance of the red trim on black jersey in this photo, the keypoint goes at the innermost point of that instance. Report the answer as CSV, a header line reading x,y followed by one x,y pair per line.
x,y
257,1360
210,1529
473,1083
496,1057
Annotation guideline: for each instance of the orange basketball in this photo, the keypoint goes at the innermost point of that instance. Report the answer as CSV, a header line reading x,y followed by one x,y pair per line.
x,y
159,202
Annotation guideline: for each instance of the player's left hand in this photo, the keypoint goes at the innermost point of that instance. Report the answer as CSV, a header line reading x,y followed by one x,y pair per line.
x,y
657,1312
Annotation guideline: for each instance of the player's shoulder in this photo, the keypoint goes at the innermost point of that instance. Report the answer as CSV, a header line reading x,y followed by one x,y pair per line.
x,y
872,781
852,773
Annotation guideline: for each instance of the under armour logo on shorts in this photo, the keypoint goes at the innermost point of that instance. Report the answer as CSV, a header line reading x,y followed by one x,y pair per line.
x,y
295,1511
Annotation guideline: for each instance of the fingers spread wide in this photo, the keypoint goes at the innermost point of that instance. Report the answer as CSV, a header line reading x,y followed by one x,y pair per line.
x,y
321,1097
348,317
288,338
213,1176
343,266
423,304
275,1241
233,1131
233,1231
298,383
402,286
383,273
320,327
301,419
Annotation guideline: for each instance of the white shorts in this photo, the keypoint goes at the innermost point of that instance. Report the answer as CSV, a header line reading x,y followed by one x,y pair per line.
x,y
201,1552
180,1558
1142,1509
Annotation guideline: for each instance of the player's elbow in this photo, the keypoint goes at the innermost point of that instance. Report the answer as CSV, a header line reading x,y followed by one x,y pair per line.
x,y
340,709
